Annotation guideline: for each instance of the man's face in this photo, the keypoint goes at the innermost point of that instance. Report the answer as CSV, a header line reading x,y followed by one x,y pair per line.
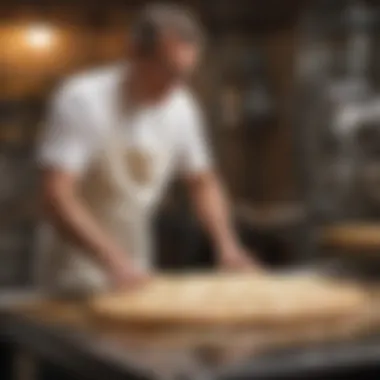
x,y
178,56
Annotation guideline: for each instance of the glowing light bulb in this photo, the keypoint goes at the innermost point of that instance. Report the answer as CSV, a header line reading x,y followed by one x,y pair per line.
x,y
40,37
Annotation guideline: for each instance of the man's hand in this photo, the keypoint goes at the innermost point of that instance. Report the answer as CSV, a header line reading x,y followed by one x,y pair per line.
x,y
213,211
236,258
128,277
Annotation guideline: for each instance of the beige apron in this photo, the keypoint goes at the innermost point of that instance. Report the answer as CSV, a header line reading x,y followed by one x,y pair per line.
x,y
121,190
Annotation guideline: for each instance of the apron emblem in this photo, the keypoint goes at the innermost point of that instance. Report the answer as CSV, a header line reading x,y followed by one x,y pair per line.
x,y
139,164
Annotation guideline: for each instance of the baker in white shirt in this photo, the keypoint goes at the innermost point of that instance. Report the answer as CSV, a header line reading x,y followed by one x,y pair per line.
x,y
114,137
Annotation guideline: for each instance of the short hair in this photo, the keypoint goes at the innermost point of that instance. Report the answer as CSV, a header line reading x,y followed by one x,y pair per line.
x,y
155,19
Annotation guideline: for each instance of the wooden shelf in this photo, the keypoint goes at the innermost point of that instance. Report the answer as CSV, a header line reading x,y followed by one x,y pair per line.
x,y
271,215
351,236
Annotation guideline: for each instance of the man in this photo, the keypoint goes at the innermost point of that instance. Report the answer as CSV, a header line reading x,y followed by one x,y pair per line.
x,y
114,137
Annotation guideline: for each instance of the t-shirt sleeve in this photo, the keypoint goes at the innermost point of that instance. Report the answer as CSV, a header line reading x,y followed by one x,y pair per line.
x,y
195,154
65,143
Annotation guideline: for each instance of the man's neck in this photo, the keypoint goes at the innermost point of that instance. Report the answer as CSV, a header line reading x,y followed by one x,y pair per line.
x,y
145,85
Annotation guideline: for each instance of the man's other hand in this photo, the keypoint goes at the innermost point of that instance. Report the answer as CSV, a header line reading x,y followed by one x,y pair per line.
x,y
236,258
126,278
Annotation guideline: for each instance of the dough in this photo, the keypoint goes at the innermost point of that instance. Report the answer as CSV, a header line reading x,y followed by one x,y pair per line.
x,y
227,299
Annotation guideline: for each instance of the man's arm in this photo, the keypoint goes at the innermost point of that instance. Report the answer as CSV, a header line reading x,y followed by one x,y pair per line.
x,y
206,192
64,153
212,208
67,212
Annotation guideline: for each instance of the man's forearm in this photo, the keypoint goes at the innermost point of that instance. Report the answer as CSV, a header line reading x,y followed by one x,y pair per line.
x,y
71,218
212,207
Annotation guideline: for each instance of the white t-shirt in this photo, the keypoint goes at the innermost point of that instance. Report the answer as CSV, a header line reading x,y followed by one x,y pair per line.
x,y
83,111
86,135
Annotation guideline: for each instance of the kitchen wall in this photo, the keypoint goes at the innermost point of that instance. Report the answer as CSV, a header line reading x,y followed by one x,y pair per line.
x,y
40,46
29,70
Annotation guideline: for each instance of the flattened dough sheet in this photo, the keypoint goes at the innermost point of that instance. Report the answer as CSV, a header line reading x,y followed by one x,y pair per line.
x,y
232,299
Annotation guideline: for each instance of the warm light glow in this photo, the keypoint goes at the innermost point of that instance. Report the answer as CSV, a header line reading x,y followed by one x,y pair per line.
x,y
40,36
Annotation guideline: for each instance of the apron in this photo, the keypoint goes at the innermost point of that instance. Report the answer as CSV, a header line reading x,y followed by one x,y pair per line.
x,y
121,190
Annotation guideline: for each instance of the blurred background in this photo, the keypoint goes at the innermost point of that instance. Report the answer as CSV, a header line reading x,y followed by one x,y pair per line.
x,y
290,92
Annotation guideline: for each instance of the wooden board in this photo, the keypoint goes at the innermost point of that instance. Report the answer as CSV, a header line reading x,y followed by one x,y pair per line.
x,y
77,316
232,300
352,236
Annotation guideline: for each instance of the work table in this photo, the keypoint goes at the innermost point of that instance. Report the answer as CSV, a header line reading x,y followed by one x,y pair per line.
x,y
61,332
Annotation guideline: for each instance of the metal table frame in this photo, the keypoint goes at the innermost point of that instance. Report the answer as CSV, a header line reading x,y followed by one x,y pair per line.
x,y
87,360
